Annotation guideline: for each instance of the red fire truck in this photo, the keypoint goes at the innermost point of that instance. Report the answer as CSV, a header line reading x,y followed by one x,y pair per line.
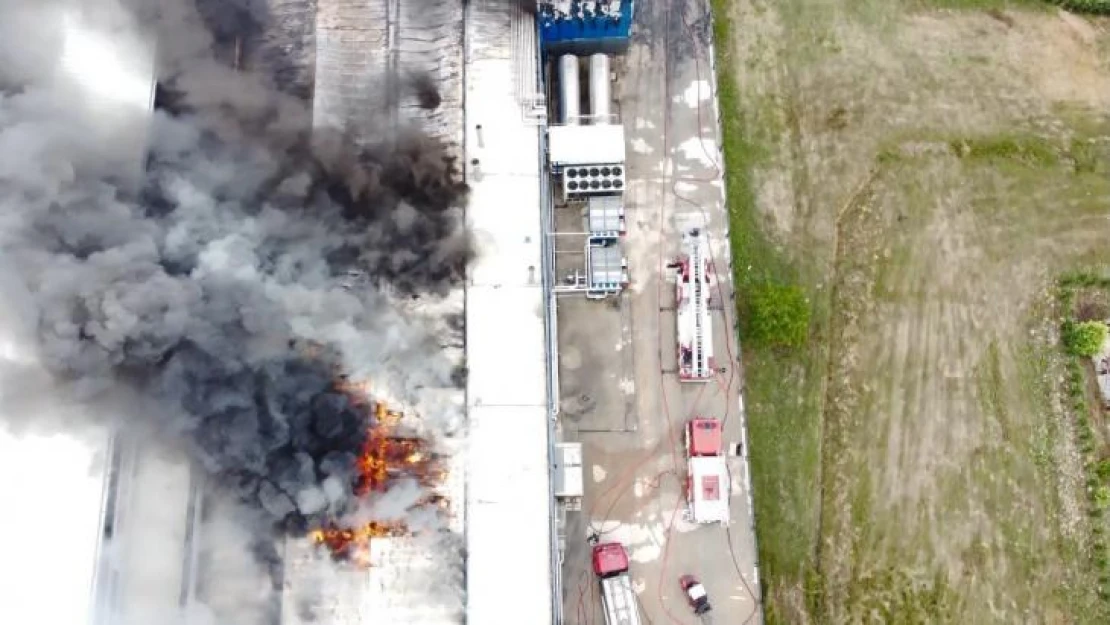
x,y
707,478
618,600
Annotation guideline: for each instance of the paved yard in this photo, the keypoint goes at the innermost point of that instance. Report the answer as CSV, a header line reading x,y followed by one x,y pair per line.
x,y
619,393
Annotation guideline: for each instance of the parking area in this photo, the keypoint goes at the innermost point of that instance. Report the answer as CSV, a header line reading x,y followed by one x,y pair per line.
x,y
619,392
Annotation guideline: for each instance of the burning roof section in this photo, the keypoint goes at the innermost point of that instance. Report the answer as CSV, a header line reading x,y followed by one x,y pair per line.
x,y
387,456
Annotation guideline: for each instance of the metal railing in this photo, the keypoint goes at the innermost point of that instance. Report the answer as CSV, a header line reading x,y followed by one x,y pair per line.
x,y
588,119
551,333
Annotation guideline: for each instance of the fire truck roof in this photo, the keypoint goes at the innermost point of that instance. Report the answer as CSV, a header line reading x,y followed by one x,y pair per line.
x,y
705,436
709,489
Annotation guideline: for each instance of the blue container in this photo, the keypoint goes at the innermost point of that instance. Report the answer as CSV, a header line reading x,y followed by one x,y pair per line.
x,y
583,29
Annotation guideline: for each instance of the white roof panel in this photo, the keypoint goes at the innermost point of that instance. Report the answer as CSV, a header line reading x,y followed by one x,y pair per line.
x,y
505,144
586,145
508,507
59,483
505,347
153,517
509,503
505,226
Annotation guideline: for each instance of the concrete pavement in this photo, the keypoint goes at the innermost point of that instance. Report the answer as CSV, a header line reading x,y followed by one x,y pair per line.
x,y
618,391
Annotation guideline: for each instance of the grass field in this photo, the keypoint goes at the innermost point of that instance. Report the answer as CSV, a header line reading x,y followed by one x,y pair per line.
x,y
924,170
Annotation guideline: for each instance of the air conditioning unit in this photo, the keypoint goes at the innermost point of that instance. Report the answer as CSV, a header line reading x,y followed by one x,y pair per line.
x,y
601,179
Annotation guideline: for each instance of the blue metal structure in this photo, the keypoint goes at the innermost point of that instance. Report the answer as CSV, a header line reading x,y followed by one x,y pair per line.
x,y
585,26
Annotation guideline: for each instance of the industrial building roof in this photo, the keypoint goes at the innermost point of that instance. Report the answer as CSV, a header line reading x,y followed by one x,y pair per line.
x,y
102,81
508,487
105,77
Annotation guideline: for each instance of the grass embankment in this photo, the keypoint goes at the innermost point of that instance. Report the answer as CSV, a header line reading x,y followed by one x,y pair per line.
x,y
1085,297
783,425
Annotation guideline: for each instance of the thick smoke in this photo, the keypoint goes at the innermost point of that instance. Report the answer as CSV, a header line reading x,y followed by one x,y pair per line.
x,y
424,88
255,263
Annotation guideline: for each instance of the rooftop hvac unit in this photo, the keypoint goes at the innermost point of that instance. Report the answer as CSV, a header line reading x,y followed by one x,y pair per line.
x,y
606,268
568,474
586,180
605,216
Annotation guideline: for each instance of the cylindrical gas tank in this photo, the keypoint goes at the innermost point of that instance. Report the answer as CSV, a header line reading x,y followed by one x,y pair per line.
x,y
569,95
599,88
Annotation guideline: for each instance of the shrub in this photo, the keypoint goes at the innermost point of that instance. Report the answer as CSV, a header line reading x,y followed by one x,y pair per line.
x,y
1102,469
1102,497
1095,7
1084,338
778,315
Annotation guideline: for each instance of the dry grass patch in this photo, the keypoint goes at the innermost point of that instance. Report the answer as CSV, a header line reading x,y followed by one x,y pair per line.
x,y
925,175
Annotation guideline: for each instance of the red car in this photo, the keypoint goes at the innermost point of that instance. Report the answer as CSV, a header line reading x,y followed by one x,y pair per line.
x,y
695,594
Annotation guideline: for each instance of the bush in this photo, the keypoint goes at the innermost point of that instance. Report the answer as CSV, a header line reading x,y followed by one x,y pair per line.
x,y
778,315
1084,338
1095,7
1102,469
1102,498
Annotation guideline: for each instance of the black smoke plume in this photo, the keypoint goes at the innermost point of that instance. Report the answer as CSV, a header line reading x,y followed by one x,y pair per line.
x,y
425,89
257,262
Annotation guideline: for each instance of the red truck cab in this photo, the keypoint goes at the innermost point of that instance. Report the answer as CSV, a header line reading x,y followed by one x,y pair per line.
x,y
707,479
618,600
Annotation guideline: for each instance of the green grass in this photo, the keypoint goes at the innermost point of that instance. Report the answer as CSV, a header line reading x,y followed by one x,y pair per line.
x,y
980,4
1094,7
1077,391
1025,149
780,386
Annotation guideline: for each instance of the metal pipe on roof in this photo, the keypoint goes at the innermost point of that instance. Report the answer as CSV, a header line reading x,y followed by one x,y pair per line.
x,y
599,88
569,95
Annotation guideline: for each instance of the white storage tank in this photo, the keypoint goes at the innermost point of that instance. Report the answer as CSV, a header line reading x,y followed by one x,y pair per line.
x,y
599,89
569,95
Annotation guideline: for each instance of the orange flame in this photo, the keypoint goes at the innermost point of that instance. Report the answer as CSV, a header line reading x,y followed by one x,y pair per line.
x,y
384,458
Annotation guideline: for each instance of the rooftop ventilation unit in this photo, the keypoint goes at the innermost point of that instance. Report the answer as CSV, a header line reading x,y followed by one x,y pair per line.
x,y
605,216
606,268
587,180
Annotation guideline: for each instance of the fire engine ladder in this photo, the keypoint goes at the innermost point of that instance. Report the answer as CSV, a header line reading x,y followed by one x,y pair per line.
x,y
619,601
701,308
